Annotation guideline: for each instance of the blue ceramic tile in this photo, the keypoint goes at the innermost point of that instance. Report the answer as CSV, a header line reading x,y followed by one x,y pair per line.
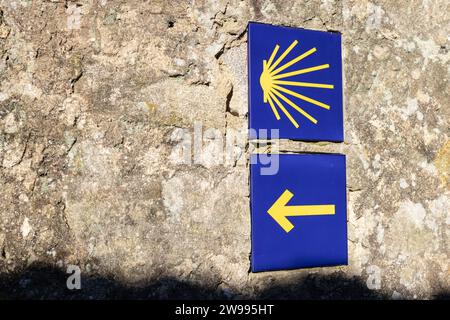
x,y
299,214
295,82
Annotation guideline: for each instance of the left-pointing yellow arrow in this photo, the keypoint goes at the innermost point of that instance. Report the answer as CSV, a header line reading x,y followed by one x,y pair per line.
x,y
279,210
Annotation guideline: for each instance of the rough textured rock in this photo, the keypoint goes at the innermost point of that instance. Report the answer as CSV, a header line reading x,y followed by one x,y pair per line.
x,y
95,97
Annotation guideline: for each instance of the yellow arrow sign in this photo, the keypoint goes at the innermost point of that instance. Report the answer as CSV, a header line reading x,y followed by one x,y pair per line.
x,y
279,210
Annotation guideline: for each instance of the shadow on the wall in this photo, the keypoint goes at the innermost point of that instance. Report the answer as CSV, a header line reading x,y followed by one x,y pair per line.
x,y
44,282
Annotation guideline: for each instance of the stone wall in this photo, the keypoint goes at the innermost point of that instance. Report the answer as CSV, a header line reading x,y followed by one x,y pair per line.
x,y
96,95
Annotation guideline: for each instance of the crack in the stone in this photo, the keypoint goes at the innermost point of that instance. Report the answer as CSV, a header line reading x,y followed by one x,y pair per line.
x,y
23,152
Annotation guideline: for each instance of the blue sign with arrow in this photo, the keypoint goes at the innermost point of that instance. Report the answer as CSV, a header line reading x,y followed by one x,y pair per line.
x,y
295,83
299,214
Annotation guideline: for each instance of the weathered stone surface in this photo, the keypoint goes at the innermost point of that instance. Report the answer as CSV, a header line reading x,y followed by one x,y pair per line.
x,y
97,96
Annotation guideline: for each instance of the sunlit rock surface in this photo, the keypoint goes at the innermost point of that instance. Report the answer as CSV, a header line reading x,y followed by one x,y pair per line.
x,y
97,99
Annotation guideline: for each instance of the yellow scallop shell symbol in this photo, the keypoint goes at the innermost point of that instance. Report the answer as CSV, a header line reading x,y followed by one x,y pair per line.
x,y
274,88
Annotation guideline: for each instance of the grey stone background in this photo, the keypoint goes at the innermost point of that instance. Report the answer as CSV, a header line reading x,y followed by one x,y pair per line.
x,y
92,94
